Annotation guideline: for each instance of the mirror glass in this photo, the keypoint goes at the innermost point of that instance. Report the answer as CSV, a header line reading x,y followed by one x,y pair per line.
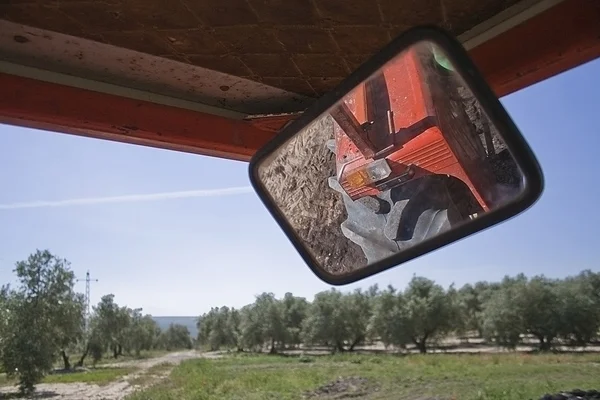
x,y
405,156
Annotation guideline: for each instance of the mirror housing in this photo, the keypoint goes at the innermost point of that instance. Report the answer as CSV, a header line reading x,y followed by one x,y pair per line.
x,y
403,145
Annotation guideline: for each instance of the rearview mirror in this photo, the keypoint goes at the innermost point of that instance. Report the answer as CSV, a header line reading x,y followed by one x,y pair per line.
x,y
411,152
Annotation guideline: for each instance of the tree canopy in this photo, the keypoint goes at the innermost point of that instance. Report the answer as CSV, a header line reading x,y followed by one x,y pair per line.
x,y
552,311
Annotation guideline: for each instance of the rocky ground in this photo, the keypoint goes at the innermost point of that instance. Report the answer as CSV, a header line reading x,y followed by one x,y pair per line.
x,y
116,390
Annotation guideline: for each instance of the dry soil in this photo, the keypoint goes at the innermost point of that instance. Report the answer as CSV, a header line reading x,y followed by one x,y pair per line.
x,y
116,390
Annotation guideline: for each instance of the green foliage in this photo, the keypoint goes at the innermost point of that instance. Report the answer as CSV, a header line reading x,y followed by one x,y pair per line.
x,y
220,327
547,309
427,312
96,350
328,319
141,332
422,314
470,308
121,330
385,323
111,324
540,306
265,321
251,327
295,310
359,306
176,337
43,316
4,318
580,308
503,321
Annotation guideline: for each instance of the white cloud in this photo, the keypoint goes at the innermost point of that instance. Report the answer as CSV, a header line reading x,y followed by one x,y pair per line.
x,y
130,198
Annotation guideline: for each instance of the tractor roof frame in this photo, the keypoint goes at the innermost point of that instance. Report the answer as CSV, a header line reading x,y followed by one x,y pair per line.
x,y
77,84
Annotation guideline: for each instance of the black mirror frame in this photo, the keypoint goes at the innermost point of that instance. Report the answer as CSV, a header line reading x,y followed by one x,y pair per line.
x,y
517,146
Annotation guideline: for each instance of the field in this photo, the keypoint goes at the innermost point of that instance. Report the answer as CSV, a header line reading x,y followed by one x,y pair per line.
x,y
409,377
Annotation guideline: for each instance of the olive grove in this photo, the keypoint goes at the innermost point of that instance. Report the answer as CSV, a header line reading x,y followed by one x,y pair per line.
x,y
565,312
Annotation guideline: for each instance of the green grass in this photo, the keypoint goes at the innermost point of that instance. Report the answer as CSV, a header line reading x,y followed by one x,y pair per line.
x,y
98,376
464,377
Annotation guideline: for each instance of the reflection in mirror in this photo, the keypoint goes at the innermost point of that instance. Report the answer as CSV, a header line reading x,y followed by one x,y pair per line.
x,y
405,156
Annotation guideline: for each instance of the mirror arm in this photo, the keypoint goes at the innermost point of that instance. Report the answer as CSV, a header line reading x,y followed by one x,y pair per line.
x,y
353,129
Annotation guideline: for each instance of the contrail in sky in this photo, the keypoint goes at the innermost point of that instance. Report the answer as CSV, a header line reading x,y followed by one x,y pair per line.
x,y
130,198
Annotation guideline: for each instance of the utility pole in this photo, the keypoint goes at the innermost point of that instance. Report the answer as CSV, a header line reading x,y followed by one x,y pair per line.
x,y
87,280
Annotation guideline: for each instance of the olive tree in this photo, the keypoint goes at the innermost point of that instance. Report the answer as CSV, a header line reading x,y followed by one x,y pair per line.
x,y
386,322
176,337
327,322
294,313
502,320
579,309
540,307
111,324
220,327
339,320
44,316
264,322
425,312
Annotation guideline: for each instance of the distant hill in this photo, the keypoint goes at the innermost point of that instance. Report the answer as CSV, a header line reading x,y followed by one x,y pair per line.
x,y
190,322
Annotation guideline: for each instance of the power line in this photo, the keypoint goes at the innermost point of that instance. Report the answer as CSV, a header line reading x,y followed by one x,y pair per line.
x,y
87,280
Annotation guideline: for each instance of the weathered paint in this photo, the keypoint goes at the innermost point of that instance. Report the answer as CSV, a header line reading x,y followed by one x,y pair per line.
x,y
104,63
44,105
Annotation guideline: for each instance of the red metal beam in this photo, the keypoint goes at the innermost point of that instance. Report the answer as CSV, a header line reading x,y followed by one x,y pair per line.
x,y
562,37
42,105
556,40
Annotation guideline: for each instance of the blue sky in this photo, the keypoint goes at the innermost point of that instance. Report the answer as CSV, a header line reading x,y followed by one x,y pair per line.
x,y
181,256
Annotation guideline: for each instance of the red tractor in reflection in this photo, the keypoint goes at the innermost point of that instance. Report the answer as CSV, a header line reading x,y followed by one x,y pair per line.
x,y
414,155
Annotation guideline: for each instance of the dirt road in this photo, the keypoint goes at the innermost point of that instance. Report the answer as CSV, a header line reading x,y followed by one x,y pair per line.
x,y
116,390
